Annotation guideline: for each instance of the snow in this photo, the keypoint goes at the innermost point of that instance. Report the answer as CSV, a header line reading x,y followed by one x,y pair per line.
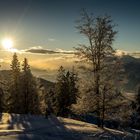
x,y
33,127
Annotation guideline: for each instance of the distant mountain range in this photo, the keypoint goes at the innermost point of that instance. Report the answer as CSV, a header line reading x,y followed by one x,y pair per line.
x,y
5,78
135,54
132,72
131,66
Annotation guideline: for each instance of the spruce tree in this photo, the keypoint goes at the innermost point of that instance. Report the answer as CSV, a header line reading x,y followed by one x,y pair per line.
x,y
26,77
73,87
1,100
138,101
60,90
66,91
15,85
51,103
29,90
15,66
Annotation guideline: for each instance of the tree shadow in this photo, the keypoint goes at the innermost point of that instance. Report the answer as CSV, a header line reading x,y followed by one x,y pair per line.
x,y
1,117
18,121
35,127
38,127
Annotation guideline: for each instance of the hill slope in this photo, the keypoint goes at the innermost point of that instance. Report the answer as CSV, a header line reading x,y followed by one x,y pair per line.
x,y
132,72
31,127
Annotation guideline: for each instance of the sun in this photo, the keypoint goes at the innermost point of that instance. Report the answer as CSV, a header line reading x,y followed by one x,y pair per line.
x,y
7,43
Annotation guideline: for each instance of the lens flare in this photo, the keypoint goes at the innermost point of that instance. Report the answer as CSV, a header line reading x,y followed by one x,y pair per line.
x,y
7,43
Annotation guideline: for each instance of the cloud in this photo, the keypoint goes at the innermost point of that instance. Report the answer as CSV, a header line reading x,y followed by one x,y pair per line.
x,y
51,39
37,60
36,47
120,52
45,65
65,51
1,60
39,57
41,50
135,54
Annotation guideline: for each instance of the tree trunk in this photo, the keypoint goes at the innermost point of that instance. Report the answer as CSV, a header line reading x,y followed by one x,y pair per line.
x,y
98,101
103,109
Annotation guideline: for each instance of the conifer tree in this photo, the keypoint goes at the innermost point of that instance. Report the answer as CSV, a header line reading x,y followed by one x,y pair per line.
x,y
138,101
66,91
60,90
29,89
15,86
51,103
26,78
15,66
73,86
1,100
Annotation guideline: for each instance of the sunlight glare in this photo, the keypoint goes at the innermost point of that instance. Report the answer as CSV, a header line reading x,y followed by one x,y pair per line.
x,y
7,43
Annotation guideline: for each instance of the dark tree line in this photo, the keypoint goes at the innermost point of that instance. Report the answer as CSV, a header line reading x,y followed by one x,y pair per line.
x,y
135,106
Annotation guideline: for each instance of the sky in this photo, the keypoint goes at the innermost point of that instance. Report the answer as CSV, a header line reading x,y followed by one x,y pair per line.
x,y
50,25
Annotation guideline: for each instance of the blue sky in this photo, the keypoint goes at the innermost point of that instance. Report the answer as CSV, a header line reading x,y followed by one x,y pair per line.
x,y
51,23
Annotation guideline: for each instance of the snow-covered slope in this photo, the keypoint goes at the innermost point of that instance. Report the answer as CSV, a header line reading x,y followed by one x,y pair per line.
x,y
32,127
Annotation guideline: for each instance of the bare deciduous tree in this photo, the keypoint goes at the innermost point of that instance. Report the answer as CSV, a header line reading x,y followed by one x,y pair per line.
x,y
99,55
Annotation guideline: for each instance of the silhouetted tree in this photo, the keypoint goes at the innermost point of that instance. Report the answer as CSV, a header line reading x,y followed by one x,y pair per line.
x,y
98,54
6,99
1,100
73,88
15,85
26,79
66,91
135,115
51,103
60,90
138,101
29,90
